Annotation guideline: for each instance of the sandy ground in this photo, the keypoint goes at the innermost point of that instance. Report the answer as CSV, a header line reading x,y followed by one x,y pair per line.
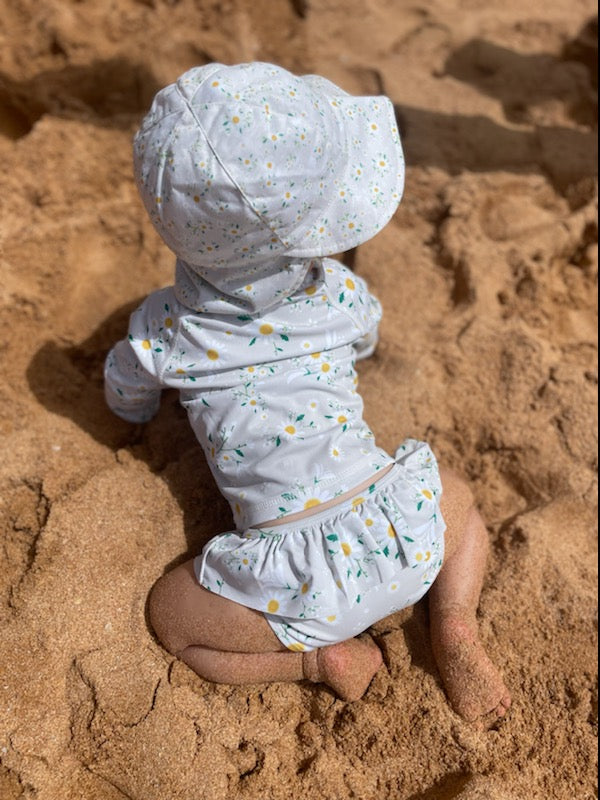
x,y
488,280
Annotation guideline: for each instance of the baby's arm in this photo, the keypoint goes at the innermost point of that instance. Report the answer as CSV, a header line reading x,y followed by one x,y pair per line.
x,y
133,368
365,346
365,310
129,390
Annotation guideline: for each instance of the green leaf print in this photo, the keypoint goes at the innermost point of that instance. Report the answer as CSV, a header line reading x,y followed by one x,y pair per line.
x,y
341,298
251,342
332,537
244,318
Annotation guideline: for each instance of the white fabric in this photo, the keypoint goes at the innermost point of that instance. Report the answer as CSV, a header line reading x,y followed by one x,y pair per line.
x,y
329,577
248,172
272,398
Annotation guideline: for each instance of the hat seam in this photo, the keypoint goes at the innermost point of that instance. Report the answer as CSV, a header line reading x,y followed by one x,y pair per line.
x,y
344,137
226,171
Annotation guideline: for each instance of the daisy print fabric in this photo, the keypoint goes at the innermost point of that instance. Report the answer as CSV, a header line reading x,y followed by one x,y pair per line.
x,y
329,577
247,171
272,398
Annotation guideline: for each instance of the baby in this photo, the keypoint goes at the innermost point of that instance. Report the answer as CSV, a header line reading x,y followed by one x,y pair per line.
x,y
253,176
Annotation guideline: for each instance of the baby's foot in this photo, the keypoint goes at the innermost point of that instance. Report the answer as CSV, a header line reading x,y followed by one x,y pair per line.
x,y
475,688
347,667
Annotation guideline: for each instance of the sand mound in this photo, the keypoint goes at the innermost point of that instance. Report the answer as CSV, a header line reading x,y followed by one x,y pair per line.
x,y
488,280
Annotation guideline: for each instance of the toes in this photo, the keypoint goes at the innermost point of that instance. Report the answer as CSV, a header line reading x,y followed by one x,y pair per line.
x,y
503,706
485,721
495,715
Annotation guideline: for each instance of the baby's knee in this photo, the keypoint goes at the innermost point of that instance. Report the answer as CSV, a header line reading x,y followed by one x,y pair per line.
x,y
162,613
456,491
457,506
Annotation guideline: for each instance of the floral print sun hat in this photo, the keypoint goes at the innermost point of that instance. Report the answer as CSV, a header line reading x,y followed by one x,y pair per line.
x,y
248,172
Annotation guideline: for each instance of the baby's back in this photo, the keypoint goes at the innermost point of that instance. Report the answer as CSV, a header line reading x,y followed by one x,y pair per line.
x,y
272,398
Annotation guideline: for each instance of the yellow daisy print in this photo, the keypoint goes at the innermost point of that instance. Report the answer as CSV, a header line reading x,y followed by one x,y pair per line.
x,y
311,503
423,557
289,432
423,495
357,502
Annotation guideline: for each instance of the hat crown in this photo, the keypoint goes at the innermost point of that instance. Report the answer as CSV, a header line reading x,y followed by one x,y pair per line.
x,y
239,165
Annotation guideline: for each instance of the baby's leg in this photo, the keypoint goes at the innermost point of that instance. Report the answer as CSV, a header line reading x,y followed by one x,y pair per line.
x,y
474,685
226,642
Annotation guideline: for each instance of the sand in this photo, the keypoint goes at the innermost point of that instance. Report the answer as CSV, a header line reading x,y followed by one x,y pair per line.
x,y
487,275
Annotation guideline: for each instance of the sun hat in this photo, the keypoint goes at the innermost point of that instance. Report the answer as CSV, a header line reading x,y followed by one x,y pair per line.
x,y
249,172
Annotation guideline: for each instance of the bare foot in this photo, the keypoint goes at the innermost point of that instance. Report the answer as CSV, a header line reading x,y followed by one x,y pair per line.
x,y
347,667
475,688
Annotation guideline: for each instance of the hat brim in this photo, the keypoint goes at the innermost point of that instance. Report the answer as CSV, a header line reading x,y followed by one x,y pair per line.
x,y
364,198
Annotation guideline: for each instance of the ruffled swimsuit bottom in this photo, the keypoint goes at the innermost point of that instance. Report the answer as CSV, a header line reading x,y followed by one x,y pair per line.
x,y
328,577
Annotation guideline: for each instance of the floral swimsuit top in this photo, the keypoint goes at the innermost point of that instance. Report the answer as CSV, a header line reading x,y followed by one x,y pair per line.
x,y
272,397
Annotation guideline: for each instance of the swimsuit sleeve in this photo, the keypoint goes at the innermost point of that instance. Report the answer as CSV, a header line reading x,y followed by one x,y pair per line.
x,y
350,293
133,368
366,345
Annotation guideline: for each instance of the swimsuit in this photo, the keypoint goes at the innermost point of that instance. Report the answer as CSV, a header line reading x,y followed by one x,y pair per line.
x,y
329,577
272,398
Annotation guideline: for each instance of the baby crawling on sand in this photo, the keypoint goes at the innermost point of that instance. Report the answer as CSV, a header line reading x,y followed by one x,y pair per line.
x,y
253,177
